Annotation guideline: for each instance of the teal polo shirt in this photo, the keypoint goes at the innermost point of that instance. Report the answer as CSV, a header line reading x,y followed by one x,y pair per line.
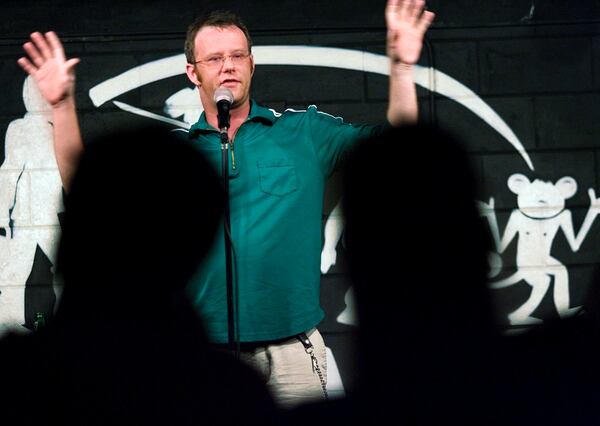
x,y
282,161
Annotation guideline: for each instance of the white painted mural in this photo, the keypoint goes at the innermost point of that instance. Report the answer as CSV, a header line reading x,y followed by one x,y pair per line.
x,y
30,200
184,104
30,189
540,214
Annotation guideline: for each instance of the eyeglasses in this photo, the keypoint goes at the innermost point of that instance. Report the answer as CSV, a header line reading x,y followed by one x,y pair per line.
x,y
218,61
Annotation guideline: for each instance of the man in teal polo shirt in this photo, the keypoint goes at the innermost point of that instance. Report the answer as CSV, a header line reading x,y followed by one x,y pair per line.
x,y
276,191
278,169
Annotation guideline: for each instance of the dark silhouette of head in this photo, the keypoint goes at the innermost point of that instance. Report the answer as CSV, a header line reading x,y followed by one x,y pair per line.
x,y
126,345
142,212
417,252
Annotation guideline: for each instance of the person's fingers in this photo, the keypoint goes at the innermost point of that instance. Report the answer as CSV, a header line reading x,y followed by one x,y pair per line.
x,y
33,53
70,64
27,65
412,7
391,12
42,45
425,21
55,45
409,11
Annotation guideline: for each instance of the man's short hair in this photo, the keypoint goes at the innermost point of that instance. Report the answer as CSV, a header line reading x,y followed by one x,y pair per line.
x,y
217,18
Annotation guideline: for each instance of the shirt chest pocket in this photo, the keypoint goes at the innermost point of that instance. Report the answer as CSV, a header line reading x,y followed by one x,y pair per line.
x,y
277,177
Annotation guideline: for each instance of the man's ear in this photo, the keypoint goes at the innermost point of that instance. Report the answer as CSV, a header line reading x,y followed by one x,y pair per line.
x,y
252,63
190,70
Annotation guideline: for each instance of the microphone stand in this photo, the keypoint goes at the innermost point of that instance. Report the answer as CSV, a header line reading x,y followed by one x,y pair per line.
x,y
231,331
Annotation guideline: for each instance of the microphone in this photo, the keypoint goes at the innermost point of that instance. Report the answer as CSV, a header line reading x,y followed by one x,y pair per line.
x,y
223,98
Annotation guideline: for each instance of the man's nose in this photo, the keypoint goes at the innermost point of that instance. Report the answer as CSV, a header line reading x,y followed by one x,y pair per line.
x,y
228,62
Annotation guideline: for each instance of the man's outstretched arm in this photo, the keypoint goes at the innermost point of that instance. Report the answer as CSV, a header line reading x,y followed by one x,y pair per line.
x,y
407,21
55,76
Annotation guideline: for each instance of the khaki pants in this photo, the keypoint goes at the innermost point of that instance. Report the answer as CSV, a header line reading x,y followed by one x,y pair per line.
x,y
288,370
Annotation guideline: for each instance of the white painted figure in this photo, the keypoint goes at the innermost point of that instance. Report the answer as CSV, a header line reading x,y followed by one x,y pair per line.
x,y
186,103
30,200
540,214
334,227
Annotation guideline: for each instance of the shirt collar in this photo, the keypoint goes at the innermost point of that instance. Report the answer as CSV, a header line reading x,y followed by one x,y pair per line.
x,y
257,113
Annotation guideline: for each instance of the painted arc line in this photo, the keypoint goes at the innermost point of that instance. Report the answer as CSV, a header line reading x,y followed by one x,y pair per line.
x,y
429,78
148,114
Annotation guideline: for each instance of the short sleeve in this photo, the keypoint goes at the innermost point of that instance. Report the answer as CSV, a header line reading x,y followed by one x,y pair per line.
x,y
332,137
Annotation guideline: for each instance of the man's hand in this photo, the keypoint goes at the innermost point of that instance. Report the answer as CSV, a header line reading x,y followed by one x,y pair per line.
x,y
406,22
55,77
46,63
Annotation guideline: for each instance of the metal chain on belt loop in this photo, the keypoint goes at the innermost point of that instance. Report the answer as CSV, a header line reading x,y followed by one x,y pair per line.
x,y
310,350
